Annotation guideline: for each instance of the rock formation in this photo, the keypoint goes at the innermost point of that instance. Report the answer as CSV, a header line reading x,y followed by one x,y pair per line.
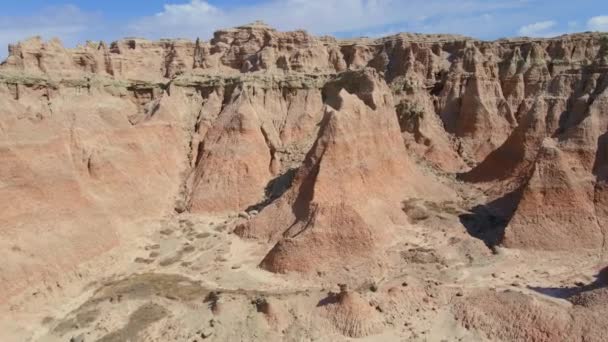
x,y
350,314
262,126
550,162
325,137
346,198
75,168
537,319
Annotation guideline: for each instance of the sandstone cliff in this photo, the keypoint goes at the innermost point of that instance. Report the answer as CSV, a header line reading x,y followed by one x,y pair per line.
x,y
312,131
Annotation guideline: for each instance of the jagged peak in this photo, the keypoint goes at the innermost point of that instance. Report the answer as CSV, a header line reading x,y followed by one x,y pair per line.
x,y
256,24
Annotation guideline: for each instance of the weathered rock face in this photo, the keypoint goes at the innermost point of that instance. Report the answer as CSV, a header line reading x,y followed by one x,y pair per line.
x,y
475,89
346,198
556,209
74,169
537,319
125,59
263,130
351,315
516,155
258,47
323,135
551,164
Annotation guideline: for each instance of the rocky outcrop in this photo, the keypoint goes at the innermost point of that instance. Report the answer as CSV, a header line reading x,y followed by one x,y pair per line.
x,y
538,319
346,197
76,171
473,93
516,156
263,129
350,314
569,169
556,209
550,162
325,135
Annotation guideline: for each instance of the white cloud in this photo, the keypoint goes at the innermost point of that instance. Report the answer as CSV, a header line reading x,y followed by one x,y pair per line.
x,y
64,22
599,23
539,29
485,25
199,18
573,24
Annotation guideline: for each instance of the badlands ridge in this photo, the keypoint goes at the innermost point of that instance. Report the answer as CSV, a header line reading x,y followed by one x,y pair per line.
x,y
456,189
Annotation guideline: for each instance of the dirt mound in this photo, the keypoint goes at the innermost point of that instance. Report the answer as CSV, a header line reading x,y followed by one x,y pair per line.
x,y
595,298
496,314
340,237
273,312
536,319
351,315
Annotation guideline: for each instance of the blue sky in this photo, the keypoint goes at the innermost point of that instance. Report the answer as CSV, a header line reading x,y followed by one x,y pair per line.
x,y
77,21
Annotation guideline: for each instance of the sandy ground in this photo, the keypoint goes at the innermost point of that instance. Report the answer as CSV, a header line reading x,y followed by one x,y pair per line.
x,y
190,279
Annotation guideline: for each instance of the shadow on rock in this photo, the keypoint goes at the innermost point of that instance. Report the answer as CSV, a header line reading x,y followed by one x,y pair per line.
x,y
275,188
488,222
567,292
332,298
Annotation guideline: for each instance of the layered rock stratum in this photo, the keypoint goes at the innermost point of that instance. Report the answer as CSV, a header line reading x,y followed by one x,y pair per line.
x,y
330,160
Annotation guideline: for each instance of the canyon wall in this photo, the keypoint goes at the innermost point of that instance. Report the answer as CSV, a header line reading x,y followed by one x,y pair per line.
x,y
103,135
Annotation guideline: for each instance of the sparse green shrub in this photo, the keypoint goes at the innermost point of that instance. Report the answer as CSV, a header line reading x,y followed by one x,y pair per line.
x,y
409,115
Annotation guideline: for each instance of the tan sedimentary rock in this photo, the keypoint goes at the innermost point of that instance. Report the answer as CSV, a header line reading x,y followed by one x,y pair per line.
x,y
346,197
234,161
74,169
263,130
562,205
552,162
556,210
351,315
102,135
516,156
537,319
